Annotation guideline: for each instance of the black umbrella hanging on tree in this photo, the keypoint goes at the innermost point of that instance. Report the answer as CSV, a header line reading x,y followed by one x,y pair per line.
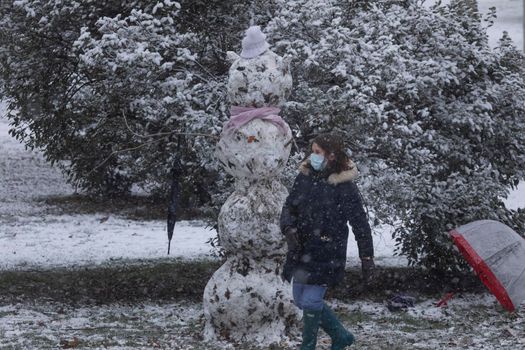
x,y
176,173
174,199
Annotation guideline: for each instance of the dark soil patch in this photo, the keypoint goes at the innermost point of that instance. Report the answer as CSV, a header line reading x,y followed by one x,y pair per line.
x,y
167,280
405,280
185,280
131,207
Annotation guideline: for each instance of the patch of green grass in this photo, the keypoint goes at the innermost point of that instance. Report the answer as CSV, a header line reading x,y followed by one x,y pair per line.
x,y
406,280
5,313
133,207
355,317
410,324
172,279
129,281
422,323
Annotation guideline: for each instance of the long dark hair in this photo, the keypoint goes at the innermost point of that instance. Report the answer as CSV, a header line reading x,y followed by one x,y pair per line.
x,y
334,144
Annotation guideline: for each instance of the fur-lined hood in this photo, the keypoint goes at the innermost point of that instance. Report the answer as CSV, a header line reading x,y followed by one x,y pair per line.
x,y
335,178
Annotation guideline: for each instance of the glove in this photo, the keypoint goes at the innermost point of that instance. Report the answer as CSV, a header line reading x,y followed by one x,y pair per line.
x,y
290,234
368,268
291,238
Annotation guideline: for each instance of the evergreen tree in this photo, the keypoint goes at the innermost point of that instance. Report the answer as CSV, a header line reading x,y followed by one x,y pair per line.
x,y
115,91
434,116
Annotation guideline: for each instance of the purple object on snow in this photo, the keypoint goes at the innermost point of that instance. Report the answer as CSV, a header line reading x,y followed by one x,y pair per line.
x,y
243,115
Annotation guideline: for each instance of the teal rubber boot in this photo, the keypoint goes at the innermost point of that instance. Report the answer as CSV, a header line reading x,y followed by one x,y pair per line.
x,y
341,338
311,320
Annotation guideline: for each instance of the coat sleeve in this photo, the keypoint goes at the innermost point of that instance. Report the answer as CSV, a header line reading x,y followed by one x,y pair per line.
x,y
358,220
290,207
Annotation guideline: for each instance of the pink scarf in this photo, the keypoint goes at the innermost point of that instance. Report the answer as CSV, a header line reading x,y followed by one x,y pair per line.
x,y
243,115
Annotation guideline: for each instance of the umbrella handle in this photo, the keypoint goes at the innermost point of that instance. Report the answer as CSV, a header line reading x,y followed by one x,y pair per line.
x,y
444,301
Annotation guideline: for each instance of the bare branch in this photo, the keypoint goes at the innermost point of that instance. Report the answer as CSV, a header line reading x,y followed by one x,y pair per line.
x,y
164,134
121,151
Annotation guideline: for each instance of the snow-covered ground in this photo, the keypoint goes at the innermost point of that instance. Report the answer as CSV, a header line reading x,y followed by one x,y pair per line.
x,y
469,321
75,240
24,177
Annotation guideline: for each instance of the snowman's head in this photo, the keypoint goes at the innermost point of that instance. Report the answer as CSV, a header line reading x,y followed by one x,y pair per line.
x,y
258,77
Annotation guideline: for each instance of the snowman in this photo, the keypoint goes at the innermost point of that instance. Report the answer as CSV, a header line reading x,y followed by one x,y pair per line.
x,y
245,299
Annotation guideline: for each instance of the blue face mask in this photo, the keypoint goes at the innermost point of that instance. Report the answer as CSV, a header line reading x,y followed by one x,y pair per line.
x,y
317,161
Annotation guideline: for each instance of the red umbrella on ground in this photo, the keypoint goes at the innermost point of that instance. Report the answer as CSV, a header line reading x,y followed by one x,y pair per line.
x,y
497,254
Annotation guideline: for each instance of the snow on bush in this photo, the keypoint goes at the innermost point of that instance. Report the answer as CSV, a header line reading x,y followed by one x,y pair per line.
x,y
113,90
435,118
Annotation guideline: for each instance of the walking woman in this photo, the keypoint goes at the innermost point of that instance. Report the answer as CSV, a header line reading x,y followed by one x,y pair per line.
x,y
324,198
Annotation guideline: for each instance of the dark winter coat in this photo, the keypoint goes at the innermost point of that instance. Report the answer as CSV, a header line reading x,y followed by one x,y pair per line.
x,y
319,207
